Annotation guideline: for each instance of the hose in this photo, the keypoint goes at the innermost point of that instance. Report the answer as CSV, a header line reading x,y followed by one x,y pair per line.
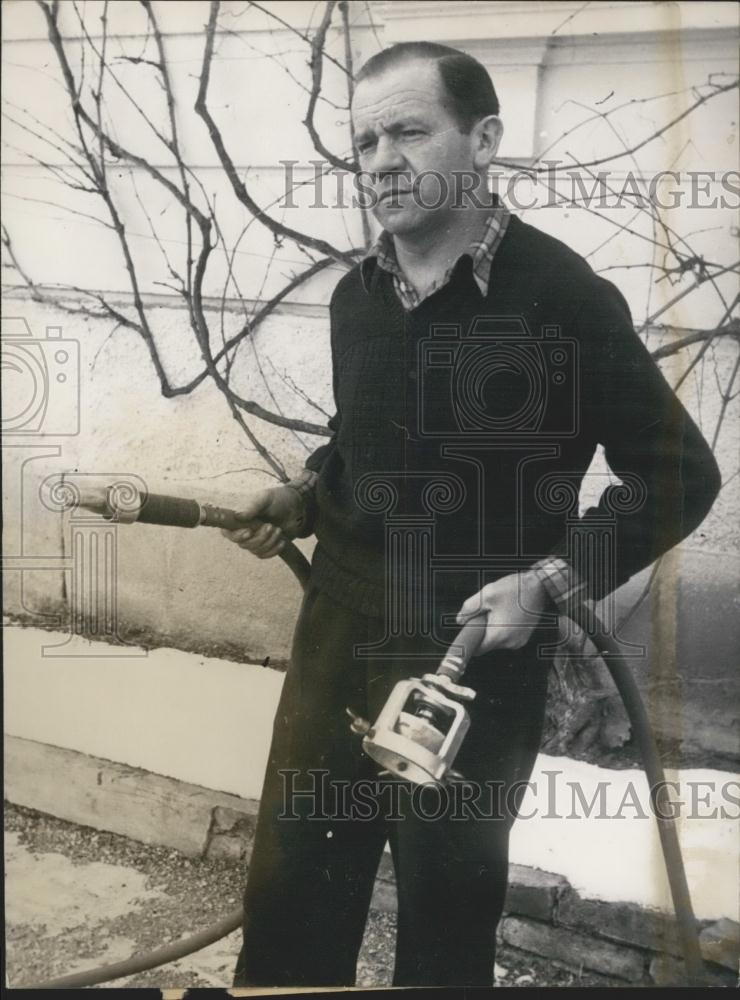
x,y
621,674
150,960
618,667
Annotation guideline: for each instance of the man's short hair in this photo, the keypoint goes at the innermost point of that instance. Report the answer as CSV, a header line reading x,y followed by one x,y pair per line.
x,y
469,89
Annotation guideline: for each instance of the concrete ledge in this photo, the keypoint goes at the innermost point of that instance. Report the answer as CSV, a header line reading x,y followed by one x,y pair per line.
x,y
147,807
542,915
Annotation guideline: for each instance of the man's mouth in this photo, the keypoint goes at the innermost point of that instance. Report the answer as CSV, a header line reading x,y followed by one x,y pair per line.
x,y
393,195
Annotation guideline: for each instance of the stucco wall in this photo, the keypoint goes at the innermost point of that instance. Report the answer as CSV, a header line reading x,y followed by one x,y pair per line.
x,y
181,587
192,589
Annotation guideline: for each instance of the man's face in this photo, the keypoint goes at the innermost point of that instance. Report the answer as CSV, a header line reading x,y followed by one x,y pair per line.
x,y
405,134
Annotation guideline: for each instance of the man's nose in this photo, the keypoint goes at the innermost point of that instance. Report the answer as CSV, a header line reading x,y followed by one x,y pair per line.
x,y
386,158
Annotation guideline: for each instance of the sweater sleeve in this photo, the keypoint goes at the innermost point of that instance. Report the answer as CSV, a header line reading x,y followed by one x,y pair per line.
x,y
305,483
317,458
669,475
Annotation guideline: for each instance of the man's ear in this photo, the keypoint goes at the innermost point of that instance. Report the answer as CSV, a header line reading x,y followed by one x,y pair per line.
x,y
486,138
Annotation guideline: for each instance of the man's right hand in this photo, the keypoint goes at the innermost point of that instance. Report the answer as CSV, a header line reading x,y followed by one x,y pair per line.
x,y
268,518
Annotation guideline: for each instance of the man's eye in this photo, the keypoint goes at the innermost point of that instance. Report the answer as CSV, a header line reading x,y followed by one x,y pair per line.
x,y
365,145
411,133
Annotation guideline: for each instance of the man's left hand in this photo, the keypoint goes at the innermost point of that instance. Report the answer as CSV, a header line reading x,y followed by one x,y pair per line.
x,y
513,606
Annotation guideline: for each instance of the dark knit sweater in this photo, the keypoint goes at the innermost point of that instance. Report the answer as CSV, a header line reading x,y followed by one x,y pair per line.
x,y
504,407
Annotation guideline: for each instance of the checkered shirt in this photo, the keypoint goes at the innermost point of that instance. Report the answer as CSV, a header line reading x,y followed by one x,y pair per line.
x,y
482,251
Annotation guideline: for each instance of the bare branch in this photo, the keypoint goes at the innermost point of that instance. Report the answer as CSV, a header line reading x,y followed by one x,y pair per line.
x,y
706,345
731,329
715,92
7,243
726,397
343,8
278,230
82,116
175,142
259,317
316,63
295,31
699,280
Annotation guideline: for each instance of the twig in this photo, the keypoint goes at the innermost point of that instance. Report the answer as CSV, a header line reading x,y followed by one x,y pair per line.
x,y
731,329
316,63
278,230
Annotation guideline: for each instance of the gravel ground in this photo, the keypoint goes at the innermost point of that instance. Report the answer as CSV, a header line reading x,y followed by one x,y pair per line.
x,y
171,896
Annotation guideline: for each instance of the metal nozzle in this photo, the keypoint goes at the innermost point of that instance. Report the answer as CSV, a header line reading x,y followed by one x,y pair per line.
x,y
358,724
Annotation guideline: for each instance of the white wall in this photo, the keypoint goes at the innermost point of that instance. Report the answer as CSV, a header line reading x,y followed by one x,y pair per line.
x,y
187,588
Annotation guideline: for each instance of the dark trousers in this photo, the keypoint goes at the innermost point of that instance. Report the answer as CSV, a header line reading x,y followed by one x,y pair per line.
x,y
312,871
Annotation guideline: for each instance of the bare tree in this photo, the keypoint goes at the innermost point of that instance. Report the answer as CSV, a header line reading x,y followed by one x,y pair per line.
x,y
99,161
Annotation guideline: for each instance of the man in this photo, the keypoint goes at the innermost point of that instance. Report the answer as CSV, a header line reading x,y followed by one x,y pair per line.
x,y
475,357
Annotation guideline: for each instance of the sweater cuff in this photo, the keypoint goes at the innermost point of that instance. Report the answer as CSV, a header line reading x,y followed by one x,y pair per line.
x,y
305,486
564,586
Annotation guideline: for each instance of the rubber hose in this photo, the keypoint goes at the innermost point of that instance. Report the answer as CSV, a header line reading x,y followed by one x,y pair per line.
x,y
621,674
629,692
150,960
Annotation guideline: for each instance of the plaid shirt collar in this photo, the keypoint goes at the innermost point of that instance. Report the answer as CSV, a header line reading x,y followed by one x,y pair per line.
x,y
481,251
